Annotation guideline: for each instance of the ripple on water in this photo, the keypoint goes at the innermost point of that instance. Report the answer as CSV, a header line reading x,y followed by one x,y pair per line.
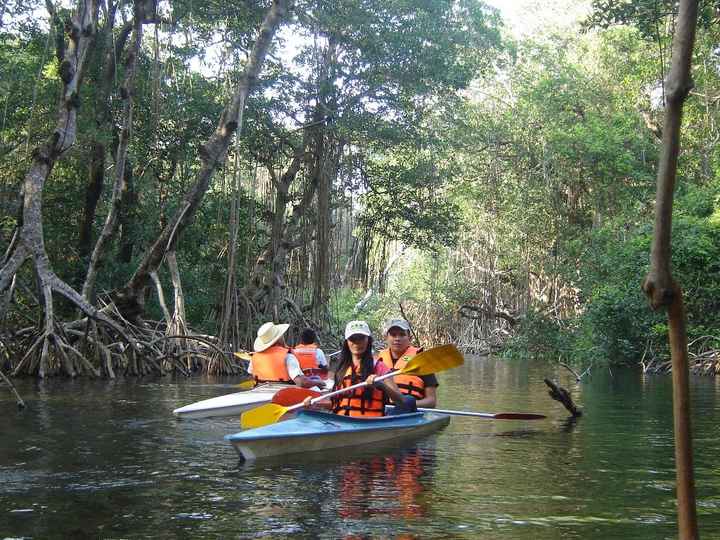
x,y
606,475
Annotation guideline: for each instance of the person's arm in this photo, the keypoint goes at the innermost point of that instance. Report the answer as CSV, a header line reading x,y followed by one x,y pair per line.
x,y
388,385
392,391
430,399
324,404
321,360
296,374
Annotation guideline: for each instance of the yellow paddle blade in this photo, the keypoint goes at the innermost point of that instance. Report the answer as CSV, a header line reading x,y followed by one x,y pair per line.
x,y
262,416
243,355
247,384
434,360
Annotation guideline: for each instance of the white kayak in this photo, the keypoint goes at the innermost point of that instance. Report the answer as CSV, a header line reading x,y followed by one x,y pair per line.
x,y
232,404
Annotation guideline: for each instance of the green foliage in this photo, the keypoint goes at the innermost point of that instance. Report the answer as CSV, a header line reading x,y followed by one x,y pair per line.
x,y
540,337
405,201
617,317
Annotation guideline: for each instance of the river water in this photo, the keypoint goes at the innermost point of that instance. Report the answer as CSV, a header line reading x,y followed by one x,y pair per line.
x,y
106,459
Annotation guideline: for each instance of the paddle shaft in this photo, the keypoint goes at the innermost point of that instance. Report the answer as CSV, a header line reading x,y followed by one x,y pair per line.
x,y
343,390
493,416
302,393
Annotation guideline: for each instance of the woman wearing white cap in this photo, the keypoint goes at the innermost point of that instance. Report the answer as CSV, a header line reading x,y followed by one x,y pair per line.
x,y
356,365
273,361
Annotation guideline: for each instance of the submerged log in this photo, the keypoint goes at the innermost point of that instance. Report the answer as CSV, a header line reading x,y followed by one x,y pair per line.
x,y
558,393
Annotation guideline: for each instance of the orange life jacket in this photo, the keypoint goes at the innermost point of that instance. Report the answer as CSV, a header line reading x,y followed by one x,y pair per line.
x,y
306,355
410,385
269,365
362,401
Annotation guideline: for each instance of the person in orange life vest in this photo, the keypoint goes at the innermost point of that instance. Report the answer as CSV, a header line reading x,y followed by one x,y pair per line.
x,y
422,388
311,357
273,361
356,364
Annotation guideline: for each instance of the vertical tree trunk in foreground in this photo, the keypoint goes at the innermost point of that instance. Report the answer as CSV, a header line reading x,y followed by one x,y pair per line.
x,y
659,286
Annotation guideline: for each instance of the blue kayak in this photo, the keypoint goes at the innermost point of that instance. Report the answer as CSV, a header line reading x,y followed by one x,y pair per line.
x,y
314,431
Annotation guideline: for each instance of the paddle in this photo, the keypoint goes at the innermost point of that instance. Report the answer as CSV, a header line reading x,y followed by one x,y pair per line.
x,y
292,396
430,361
490,416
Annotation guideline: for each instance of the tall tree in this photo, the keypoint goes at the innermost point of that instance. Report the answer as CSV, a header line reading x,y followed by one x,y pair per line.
x,y
130,298
29,241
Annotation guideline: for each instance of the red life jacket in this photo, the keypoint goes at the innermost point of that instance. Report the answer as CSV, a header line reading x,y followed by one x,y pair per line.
x,y
410,385
269,365
362,401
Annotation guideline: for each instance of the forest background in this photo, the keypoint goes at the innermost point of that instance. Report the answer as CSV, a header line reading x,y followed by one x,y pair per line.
x,y
173,174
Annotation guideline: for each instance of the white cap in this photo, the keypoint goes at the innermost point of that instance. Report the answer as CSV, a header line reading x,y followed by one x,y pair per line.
x,y
397,323
357,327
268,334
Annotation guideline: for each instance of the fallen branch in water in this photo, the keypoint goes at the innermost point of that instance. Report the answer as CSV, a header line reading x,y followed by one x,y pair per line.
x,y
558,393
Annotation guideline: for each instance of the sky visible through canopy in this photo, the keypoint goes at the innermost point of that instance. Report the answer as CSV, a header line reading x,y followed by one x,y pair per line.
x,y
526,17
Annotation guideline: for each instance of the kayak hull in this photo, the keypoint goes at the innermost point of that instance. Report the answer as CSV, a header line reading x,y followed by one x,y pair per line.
x,y
316,431
231,404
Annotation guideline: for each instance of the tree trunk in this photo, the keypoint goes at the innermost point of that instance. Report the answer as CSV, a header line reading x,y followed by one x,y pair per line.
x,y
212,154
323,168
127,92
96,179
659,285
106,55
229,312
267,286
31,243
127,217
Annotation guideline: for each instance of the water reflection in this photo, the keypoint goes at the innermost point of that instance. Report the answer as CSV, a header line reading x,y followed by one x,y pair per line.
x,y
386,485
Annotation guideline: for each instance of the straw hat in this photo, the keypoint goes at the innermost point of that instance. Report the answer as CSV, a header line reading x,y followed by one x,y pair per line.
x,y
268,334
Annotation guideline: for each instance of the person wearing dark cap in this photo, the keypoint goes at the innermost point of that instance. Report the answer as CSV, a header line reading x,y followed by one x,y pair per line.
x,y
310,355
422,388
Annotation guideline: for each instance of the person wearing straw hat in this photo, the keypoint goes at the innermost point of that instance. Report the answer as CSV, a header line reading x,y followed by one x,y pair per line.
x,y
273,361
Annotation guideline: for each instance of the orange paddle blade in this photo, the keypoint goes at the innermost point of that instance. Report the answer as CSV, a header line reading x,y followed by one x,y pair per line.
x,y
293,395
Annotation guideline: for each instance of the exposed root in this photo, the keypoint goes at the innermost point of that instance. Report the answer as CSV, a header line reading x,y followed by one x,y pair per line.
x,y
703,358
19,400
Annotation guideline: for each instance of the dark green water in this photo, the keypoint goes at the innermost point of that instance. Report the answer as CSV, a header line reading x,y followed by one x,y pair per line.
x,y
92,459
